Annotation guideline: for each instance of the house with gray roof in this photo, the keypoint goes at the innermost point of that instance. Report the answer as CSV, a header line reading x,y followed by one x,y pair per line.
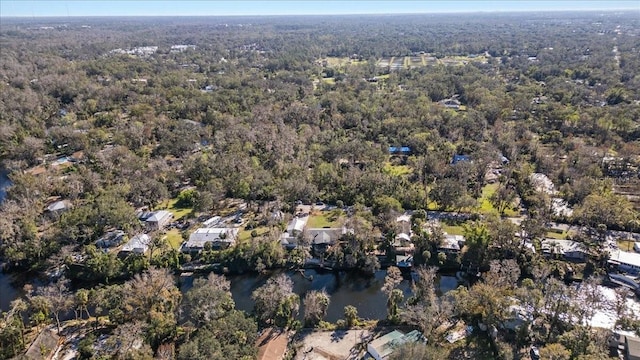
x,y
569,249
138,244
159,219
218,238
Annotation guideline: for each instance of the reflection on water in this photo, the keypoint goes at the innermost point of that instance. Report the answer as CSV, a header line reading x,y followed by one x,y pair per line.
x,y
7,292
4,183
345,288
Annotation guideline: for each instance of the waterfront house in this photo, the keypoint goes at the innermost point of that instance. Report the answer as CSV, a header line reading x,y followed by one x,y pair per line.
x,y
325,237
451,244
217,238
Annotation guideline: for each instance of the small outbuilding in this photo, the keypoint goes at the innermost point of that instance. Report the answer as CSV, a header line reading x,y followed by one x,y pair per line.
x,y
384,346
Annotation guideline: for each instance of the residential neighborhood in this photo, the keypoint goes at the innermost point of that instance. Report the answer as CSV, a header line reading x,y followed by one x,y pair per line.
x,y
459,184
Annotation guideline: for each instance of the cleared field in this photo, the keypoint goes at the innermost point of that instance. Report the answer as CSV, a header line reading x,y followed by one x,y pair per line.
x,y
174,238
406,62
325,219
338,62
178,213
245,235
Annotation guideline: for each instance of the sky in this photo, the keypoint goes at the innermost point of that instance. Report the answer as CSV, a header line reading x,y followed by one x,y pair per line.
x,y
29,8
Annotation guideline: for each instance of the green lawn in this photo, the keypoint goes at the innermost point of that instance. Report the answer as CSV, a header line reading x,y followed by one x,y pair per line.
x,y
174,238
178,213
453,229
326,219
245,235
485,205
555,235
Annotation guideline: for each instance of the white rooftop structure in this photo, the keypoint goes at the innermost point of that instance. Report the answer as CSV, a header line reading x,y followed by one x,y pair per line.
x,y
216,236
567,248
58,206
626,261
542,183
212,221
138,244
297,224
159,219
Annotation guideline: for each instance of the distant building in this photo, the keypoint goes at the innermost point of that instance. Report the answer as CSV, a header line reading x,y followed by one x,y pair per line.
x,y
627,347
326,236
451,104
459,158
59,206
399,150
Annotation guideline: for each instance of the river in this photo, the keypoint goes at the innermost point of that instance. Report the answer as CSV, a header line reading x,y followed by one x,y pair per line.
x,y
344,288
7,291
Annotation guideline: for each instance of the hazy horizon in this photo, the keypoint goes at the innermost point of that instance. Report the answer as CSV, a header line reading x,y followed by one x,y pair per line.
x,y
155,8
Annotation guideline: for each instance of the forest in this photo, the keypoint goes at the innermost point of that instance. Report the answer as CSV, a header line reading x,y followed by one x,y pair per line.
x,y
458,122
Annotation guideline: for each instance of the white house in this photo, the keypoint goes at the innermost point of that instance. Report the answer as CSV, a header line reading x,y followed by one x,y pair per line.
x,y
159,219
625,261
138,244
218,238
571,250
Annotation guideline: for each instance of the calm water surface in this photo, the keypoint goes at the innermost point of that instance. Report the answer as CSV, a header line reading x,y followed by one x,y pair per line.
x,y
344,288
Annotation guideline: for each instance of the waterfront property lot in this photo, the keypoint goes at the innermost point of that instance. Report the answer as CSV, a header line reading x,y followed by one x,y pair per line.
x,y
330,345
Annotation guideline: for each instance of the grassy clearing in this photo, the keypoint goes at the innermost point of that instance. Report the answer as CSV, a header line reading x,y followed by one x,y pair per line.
x,y
174,238
326,219
453,229
329,81
397,170
245,235
178,213
485,205
337,62
555,235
